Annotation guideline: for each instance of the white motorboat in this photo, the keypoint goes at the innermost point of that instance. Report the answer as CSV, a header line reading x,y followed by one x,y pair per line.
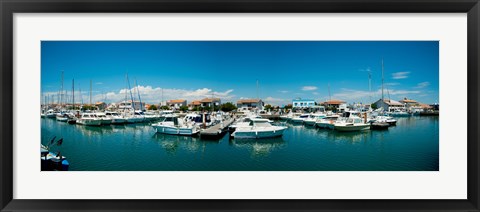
x,y
89,119
50,114
388,119
399,113
151,116
170,124
313,118
287,116
300,118
115,117
258,128
327,122
136,117
63,117
105,120
352,123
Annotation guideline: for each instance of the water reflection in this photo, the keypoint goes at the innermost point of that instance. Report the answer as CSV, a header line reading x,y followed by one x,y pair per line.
x,y
172,143
259,147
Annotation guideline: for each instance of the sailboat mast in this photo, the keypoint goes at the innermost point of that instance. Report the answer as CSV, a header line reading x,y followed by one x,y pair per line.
x,y
61,93
257,90
131,95
138,92
90,93
370,86
382,81
73,94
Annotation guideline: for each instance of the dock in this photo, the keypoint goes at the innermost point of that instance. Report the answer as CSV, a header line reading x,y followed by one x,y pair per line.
x,y
216,131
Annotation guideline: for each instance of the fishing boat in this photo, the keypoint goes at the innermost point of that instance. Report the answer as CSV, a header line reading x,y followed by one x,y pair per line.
x,y
89,119
172,125
258,128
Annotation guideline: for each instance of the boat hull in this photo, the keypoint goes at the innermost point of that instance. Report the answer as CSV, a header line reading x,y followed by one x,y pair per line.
x,y
325,125
258,134
62,119
174,130
346,128
89,122
118,121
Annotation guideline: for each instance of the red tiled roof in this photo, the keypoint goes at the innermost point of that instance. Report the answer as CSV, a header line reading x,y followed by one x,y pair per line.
x,y
241,101
207,100
334,102
176,101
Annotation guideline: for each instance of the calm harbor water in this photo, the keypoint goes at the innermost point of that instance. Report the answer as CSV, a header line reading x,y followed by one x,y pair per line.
x,y
412,145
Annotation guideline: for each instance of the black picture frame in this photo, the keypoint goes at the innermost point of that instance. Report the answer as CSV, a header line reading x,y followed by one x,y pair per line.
x,y
9,7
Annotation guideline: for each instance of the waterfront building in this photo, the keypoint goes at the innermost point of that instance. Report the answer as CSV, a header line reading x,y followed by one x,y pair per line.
x,y
209,102
338,105
176,103
250,104
409,102
389,105
128,105
193,104
101,105
303,103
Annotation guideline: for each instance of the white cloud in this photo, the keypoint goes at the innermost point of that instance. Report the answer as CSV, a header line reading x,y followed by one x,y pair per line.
x,y
315,93
309,88
422,85
351,95
275,101
283,91
400,75
99,83
154,95
391,84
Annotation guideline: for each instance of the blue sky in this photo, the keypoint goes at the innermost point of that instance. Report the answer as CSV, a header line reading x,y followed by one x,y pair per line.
x,y
230,69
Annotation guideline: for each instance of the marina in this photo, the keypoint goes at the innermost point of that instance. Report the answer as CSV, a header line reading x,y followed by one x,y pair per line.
x,y
410,145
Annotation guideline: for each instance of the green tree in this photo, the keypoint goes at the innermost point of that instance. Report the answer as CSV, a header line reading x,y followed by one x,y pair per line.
x,y
88,107
165,107
152,107
374,106
289,106
227,107
184,108
267,107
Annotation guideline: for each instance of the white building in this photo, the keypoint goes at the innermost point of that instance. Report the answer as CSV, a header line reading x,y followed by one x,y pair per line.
x,y
303,103
389,105
249,104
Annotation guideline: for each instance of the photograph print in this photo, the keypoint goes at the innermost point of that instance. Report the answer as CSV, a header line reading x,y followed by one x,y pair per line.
x,y
239,106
